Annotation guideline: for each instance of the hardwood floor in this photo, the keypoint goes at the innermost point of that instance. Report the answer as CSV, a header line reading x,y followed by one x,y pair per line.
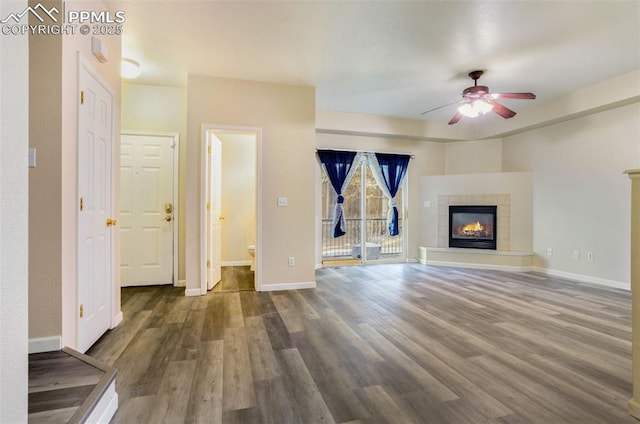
x,y
401,343
66,386
235,278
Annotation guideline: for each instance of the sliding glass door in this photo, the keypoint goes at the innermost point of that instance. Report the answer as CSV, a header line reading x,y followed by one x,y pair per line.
x,y
366,209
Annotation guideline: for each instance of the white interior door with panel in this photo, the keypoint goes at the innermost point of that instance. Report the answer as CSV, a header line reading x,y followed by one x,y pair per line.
x,y
214,208
95,219
147,209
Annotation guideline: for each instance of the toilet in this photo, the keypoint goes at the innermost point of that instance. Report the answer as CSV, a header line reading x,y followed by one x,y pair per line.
x,y
252,252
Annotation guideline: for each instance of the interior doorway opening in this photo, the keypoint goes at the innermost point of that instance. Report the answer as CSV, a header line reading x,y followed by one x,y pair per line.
x,y
230,224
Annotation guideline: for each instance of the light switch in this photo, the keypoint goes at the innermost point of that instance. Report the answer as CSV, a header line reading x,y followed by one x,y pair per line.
x,y
32,157
282,201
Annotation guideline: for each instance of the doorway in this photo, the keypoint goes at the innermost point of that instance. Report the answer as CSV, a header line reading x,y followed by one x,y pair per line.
x,y
95,257
230,252
365,209
148,208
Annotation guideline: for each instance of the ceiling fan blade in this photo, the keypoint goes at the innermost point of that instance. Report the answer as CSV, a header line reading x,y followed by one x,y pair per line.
x,y
501,110
440,107
529,96
455,118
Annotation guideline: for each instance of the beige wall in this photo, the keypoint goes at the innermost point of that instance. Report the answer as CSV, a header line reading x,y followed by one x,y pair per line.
x,y
581,198
476,156
515,234
286,160
163,109
52,196
45,188
14,176
429,160
238,195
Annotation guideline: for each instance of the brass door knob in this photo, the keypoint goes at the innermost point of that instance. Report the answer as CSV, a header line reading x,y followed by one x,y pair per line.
x,y
222,218
168,218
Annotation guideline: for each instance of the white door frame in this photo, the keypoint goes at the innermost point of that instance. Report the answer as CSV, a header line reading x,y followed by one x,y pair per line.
x,y
84,64
206,130
175,195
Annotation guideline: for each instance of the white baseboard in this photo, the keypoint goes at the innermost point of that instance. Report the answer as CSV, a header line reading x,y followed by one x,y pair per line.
x,y
287,286
318,266
192,292
106,407
584,278
116,320
236,263
181,283
45,344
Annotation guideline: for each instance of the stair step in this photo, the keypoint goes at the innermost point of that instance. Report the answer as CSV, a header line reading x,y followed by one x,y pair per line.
x,y
67,386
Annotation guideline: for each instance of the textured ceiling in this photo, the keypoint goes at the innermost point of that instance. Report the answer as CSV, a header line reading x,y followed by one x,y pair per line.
x,y
392,58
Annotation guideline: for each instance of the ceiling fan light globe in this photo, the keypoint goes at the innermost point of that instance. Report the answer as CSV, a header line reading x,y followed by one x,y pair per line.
x,y
475,108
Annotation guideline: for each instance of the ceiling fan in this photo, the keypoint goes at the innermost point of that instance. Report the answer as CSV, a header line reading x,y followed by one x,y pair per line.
x,y
477,100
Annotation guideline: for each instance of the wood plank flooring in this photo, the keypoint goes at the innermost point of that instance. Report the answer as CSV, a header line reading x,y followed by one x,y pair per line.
x,y
399,343
65,386
235,278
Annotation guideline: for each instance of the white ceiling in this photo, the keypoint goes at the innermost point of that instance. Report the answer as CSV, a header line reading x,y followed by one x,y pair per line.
x,y
393,58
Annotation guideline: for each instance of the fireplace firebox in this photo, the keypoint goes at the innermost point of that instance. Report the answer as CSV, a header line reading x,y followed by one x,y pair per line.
x,y
473,227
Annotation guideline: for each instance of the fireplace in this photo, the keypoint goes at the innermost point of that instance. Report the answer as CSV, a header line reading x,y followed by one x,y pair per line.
x,y
473,227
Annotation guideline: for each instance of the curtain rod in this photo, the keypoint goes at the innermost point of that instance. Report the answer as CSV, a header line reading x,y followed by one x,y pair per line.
x,y
366,151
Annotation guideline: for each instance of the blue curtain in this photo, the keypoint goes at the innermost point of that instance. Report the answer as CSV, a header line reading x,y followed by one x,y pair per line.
x,y
393,169
337,165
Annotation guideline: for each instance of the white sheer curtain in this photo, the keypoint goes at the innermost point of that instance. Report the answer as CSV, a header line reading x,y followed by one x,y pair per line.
x,y
376,169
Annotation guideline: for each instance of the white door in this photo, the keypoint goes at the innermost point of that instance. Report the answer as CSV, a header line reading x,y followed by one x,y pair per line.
x,y
146,209
95,219
214,218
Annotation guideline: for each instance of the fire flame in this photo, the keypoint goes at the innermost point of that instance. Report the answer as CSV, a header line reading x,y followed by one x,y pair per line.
x,y
473,228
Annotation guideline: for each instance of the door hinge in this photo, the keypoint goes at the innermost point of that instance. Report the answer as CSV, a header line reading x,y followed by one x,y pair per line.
x,y
81,311
208,206
82,97
209,148
82,203
208,264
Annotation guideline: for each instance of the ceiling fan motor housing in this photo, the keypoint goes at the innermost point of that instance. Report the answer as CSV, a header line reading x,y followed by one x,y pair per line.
x,y
475,92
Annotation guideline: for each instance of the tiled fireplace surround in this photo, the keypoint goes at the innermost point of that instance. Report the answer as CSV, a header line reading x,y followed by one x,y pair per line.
x,y
503,201
511,192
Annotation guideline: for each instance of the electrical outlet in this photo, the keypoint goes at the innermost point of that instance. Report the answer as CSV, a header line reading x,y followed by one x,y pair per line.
x,y
549,251
589,256
292,261
576,255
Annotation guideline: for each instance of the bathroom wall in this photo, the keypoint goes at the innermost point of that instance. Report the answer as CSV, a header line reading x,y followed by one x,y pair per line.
x,y
238,196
